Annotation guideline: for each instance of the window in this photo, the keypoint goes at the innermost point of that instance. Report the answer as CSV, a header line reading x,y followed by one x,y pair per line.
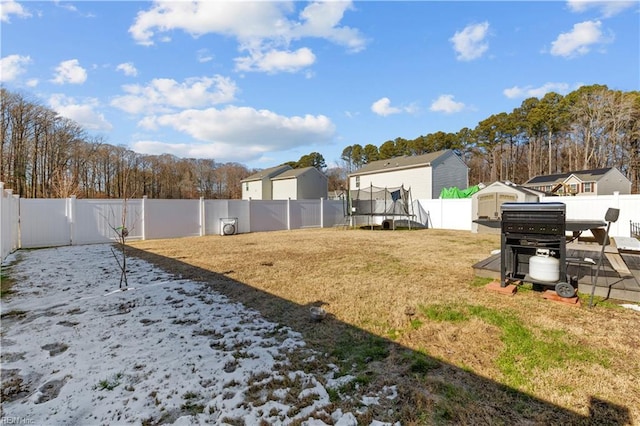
x,y
357,181
246,186
587,187
573,188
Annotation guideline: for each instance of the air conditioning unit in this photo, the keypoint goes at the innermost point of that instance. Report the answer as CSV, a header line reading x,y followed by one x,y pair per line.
x,y
229,226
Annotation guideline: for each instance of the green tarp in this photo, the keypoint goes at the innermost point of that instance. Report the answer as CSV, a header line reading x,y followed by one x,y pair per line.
x,y
454,192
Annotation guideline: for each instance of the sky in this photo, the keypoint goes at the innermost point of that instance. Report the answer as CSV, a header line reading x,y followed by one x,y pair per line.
x,y
263,83
67,346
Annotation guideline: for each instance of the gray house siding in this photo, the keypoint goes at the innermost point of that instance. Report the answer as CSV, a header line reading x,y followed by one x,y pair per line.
x,y
449,170
613,181
312,186
300,184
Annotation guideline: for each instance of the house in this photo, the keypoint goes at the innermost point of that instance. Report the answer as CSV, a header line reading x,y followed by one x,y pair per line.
x,y
425,174
284,182
258,186
603,181
307,183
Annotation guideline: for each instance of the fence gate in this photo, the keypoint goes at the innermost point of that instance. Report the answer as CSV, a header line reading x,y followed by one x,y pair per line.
x,y
44,223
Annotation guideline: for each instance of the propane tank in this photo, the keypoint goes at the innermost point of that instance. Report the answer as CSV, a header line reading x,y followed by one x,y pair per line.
x,y
544,267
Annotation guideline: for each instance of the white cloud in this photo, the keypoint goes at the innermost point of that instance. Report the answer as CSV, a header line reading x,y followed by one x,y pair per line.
x,y
537,92
165,95
66,6
322,20
446,104
128,69
236,133
579,40
383,107
470,43
607,8
263,29
82,113
276,61
70,72
248,127
204,56
223,152
13,66
11,7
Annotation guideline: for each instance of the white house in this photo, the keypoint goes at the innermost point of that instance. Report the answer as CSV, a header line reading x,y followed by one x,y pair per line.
x,y
300,184
603,181
425,174
258,186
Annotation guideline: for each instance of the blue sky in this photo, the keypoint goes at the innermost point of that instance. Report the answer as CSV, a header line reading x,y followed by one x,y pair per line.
x,y
262,83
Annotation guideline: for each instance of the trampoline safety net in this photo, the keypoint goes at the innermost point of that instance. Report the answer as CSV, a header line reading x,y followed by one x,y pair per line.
x,y
379,201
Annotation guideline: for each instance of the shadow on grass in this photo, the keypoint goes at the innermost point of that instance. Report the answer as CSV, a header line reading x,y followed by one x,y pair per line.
x,y
430,391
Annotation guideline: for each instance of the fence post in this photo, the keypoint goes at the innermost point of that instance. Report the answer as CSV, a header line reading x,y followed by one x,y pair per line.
x,y
143,215
321,212
288,214
71,218
3,220
16,236
616,204
202,218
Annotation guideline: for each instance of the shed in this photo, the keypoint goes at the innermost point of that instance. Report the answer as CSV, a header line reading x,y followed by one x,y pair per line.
x,y
485,204
258,186
307,183
426,175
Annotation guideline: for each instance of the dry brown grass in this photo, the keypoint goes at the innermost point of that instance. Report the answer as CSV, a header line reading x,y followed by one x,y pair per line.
x,y
389,284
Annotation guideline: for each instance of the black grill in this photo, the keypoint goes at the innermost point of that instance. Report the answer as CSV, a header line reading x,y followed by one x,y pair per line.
x,y
523,218
527,227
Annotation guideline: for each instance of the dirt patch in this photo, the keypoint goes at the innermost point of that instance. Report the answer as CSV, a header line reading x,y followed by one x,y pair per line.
x,y
14,386
49,390
55,348
11,356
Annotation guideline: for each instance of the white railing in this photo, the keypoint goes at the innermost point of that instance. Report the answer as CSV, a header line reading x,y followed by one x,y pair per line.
x,y
32,223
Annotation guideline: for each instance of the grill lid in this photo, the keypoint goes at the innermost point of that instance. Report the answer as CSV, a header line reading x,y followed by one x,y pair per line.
x,y
533,218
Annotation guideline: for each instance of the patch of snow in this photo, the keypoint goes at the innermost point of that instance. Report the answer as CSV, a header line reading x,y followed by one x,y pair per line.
x,y
339,382
631,306
347,420
166,350
370,400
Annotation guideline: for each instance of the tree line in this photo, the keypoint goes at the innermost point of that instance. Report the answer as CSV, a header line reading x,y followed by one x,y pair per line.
x,y
589,128
44,155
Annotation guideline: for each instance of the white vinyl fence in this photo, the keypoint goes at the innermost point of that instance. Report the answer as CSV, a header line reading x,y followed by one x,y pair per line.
x,y
595,207
456,213
445,213
9,217
32,223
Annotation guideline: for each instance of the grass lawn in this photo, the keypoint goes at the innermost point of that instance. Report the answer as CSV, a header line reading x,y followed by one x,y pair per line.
x,y
405,309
